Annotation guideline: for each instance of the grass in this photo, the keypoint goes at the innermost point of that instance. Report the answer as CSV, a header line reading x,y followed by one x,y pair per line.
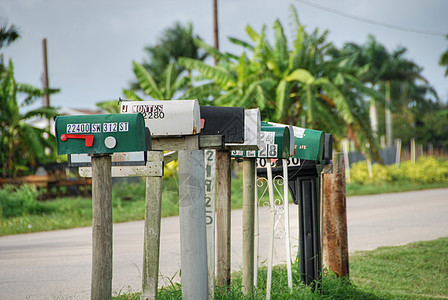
x,y
356,189
414,271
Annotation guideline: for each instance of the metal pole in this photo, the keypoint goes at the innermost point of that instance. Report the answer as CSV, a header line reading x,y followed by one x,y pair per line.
x,y
101,227
271,229
151,247
210,198
248,224
193,241
287,232
223,217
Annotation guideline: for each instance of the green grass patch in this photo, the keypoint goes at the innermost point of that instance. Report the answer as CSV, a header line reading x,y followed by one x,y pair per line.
x,y
357,189
414,271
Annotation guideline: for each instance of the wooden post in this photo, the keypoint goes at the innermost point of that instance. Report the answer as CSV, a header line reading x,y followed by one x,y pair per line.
x,y
193,240
101,227
335,242
248,224
151,246
223,217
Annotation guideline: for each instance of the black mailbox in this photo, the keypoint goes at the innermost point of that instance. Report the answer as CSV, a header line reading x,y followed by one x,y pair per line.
x,y
227,121
304,184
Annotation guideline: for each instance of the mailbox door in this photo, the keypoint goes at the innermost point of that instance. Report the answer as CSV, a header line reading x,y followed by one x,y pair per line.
x,y
309,144
252,128
167,118
291,134
98,134
227,121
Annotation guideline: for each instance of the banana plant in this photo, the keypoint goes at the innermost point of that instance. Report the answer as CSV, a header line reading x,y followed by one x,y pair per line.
x,y
289,82
21,144
173,84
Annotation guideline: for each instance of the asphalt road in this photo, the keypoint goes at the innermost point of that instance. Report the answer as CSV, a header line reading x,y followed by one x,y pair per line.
x,y
57,264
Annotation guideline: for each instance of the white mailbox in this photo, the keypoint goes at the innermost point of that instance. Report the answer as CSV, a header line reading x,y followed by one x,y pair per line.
x,y
291,134
252,128
168,117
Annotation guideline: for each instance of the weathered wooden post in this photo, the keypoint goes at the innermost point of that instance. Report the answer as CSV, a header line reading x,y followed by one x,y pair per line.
x,y
335,242
274,142
248,224
101,227
223,217
153,201
252,128
100,136
228,122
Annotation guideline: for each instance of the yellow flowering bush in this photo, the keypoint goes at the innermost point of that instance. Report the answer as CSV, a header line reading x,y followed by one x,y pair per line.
x,y
359,173
171,169
427,169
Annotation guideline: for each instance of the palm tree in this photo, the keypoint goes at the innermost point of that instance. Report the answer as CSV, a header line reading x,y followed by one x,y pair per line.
x,y
20,143
176,41
443,61
380,68
8,34
288,83
173,84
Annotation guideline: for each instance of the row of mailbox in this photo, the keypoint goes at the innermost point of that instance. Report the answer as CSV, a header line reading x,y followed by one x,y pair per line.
x,y
244,132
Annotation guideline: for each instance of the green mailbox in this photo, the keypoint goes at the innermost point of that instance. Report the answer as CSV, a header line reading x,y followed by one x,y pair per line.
x,y
309,144
274,143
100,134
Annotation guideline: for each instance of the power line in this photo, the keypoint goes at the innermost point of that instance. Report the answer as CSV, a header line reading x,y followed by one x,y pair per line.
x,y
370,21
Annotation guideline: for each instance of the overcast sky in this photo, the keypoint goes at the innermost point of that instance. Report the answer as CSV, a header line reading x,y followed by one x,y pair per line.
x,y
91,43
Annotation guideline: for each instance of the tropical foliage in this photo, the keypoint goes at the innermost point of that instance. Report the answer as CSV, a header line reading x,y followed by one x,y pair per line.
x,y
288,83
443,61
160,76
22,145
8,34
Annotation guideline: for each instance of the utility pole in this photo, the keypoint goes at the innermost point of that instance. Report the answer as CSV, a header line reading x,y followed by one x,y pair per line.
x,y
45,83
215,25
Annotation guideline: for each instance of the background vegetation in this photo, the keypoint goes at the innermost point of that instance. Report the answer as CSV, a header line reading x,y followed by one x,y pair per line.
x,y
21,212
300,78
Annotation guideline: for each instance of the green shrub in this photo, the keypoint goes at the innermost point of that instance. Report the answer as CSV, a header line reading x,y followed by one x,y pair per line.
x,y
19,201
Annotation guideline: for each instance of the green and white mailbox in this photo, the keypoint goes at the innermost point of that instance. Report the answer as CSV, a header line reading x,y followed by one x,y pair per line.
x,y
100,134
309,144
274,143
